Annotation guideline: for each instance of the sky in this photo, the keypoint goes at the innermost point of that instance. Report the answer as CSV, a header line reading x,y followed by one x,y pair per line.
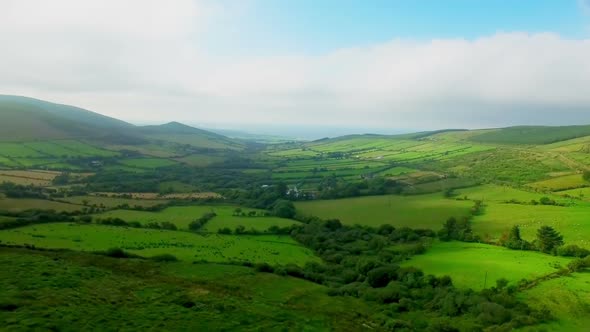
x,y
274,65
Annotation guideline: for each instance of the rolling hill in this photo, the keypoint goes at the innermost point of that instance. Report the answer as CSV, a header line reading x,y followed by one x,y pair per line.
x,y
28,119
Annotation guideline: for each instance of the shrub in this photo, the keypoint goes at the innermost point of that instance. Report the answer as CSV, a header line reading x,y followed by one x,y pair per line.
x,y
164,258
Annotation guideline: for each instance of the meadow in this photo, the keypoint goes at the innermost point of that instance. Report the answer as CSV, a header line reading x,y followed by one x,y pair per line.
x,y
568,300
111,202
23,204
419,211
468,264
75,292
182,216
185,246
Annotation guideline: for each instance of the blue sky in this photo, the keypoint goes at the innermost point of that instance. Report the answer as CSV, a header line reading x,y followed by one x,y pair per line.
x,y
354,65
317,26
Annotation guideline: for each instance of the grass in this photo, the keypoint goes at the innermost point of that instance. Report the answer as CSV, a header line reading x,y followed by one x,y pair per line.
x,y
420,211
468,263
22,204
111,202
567,298
182,216
571,222
561,183
185,246
532,134
81,292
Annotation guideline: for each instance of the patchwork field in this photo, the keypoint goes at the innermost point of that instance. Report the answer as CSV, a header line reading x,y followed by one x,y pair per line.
x,y
469,263
22,204
182,216
420,211
185,246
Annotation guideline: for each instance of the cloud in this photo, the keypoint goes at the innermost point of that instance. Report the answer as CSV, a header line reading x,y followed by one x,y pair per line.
x,y
145,61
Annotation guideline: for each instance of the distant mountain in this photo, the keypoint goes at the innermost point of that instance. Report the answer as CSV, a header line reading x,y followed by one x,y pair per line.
x,y
29,119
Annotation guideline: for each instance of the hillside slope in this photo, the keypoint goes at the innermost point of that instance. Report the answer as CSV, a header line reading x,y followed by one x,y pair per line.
x,y
532,134
28,119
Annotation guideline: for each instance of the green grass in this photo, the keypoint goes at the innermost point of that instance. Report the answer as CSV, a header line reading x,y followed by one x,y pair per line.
x,y
420,211
201,160
499,194
22,204
532,134
81,292
568,300
185,246
111,202
468,263
571,222
176,187
182,216
561,183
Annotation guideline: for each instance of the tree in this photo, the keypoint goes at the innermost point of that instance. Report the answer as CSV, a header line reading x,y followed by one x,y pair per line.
x,y
514,241
586,176
284,209
548,239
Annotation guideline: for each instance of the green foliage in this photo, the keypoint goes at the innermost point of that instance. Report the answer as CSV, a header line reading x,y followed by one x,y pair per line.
x,y
454,229
548,239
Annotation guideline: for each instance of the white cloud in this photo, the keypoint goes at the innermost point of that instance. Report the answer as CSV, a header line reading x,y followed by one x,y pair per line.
x,y
144,61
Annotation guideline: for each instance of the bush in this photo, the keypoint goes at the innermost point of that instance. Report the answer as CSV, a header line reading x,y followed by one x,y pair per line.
x,y
117,253
264,267
572,250
381,276
164,258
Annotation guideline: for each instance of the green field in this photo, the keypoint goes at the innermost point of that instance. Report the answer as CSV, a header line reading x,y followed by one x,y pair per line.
x,y
182,216
81,292
185,246
469,263
111,202
420,211
22,204
561,183
567,298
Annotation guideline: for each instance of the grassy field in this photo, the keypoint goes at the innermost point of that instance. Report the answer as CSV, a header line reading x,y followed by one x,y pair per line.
x,y
532,134
111,202
81,292
568,299
468,263
420,211
185,246
182,216
561,183
22,204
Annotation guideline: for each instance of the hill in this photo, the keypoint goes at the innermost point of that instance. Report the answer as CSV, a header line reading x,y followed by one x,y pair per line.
x,y
23,118
29,119
532,134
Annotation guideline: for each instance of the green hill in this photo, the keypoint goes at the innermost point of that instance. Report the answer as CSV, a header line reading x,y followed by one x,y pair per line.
x,y
28,119
23,118
532,134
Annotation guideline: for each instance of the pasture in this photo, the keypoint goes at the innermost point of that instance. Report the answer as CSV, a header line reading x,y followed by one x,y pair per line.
x,y
419,211
111,202
568,299
23,204
469,263
572,221
139,295
186,246
182,216
560,183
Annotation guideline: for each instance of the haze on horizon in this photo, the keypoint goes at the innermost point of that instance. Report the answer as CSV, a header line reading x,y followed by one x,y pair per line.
x,y
386,66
